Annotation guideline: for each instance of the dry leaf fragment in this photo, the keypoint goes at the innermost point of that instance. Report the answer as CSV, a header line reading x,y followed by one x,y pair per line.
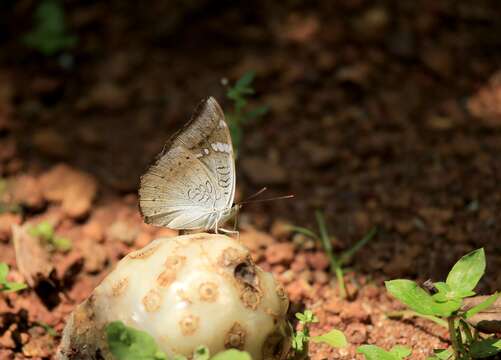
x,y
31,258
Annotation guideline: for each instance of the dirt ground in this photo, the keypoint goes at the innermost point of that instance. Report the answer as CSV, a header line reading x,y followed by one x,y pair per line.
x,y
382,113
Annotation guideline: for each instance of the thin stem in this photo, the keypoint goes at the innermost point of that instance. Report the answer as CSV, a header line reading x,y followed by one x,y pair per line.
x,y
410,313
454,339
467,331
340,281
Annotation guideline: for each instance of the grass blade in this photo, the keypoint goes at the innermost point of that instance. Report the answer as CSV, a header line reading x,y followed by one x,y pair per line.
x,y
348,254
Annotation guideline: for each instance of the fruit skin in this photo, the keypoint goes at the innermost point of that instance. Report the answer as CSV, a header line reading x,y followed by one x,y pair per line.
x,y
186,291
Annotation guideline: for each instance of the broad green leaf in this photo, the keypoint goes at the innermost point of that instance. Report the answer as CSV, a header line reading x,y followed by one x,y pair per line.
x,y
416,298
466,273
442,286
400,351
127,343
443,292
4,271
482,306
334,338
232,354
373,352
485,348
446,308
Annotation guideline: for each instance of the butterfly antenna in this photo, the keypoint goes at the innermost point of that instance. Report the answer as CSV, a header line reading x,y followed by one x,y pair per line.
x,y
269,199
259,192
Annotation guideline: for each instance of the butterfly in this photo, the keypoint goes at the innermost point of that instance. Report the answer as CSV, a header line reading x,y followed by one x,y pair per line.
x,y
192,183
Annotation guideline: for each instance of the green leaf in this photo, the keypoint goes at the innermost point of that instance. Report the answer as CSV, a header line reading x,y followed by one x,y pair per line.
x,y
373,352
298,340
127,343
232,354
308,317
485,348
7,286
441,354
43,230
62,244
49,34
467,272
201,353
400,351
411,294
482,306
334,338
13,286
418,299
4,271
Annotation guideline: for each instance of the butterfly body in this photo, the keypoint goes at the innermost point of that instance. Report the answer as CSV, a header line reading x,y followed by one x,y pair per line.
x,y
192,183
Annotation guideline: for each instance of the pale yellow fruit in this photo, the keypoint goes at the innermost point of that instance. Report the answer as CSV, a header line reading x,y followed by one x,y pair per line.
x,y
191,290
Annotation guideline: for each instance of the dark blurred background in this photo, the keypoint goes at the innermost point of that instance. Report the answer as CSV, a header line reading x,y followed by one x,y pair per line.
x,y
380,113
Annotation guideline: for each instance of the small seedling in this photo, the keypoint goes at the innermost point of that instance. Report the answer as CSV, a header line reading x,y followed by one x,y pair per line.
x,y
336,262
445,305
45,232
127,343
240,114
8,286
373,352
300,339
49,35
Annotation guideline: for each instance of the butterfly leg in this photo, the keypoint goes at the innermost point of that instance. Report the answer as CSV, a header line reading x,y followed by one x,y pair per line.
x,y
231,232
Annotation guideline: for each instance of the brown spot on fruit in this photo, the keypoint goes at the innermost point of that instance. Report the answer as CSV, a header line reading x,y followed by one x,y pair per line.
x,y
174,262
144,253
250,297
208,291
118,288
152,300
189,324
166,278
235,338
281,292
231,257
